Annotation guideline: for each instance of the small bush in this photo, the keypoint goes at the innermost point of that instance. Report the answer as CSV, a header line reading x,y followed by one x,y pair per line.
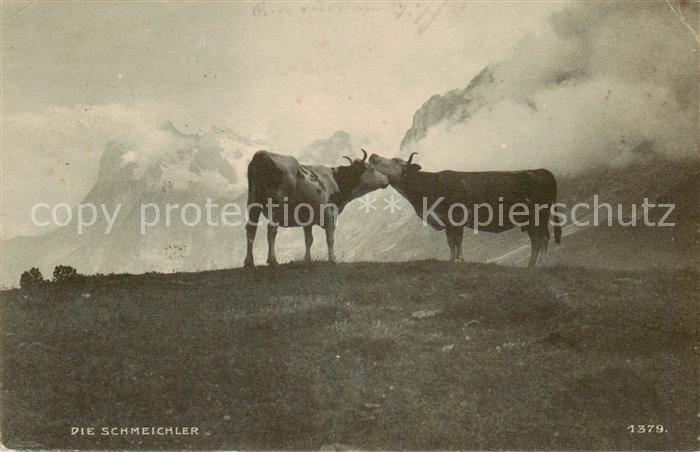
x,y
64,273
31,279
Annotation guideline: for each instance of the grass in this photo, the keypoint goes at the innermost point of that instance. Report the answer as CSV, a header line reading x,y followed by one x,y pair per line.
x,y
305,356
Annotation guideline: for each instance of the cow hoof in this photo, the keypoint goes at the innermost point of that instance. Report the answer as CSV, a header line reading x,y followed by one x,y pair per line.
x,y
272,263
248,264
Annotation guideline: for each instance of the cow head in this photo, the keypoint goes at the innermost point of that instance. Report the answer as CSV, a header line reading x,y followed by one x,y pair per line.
x,y
395,169
361,177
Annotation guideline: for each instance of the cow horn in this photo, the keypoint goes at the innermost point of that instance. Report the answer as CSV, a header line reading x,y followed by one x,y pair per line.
x,y
349,159
410,157
365,153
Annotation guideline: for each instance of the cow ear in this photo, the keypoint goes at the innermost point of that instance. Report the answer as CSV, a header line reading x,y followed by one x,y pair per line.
x,y
413,167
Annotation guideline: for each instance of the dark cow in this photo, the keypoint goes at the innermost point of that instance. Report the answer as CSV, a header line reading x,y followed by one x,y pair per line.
x,y
290,194
536,189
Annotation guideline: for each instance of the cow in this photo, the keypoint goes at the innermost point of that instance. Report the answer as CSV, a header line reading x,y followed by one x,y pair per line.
x,y
290,194
433,194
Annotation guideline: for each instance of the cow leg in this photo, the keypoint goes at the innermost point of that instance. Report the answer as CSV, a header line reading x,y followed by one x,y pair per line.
x,y
458,236
535,245
271,236
451,243
543,230
330,241
538,231
454,241
544,244
251,228
308,240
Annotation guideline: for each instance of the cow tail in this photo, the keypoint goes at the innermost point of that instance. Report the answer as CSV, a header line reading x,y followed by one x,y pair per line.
x,y
251,177
250,182
557,227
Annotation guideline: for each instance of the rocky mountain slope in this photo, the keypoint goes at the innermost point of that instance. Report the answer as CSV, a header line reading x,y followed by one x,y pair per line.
x,y
367,232
202,168
453,106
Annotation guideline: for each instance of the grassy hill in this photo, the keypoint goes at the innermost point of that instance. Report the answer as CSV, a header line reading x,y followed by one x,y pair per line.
x,y
412,355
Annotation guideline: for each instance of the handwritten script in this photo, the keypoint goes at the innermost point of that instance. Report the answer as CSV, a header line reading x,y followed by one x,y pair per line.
x,y
421,14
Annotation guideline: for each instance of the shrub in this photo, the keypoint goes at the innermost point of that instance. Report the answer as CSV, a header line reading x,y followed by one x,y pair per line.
x,y
31,279
63,273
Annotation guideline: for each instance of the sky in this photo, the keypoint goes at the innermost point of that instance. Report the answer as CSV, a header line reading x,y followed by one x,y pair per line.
x,y
76,74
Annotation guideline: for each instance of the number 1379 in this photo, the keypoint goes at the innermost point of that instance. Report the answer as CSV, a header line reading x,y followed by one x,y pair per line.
x,y
646,428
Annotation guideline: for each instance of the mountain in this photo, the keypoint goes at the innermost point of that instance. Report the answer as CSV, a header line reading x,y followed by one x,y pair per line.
x,y
453,106
210,165
205,169
199,168
330,151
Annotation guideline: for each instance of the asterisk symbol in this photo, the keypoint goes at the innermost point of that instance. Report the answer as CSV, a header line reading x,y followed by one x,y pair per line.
x,y
367,203
392,203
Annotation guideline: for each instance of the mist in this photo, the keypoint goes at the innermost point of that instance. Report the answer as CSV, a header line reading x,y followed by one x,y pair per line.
x,y
64,147
600,85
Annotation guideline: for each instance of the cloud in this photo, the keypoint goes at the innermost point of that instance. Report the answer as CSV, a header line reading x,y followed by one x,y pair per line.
x,y
594,87
53,156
